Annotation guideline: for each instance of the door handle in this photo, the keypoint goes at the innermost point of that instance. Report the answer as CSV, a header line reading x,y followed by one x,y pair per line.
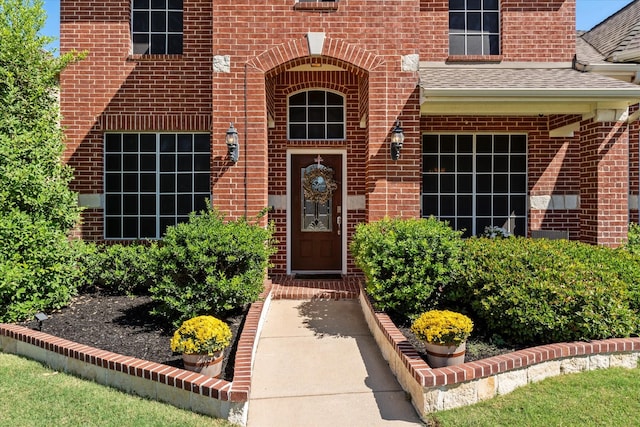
x,y
339,222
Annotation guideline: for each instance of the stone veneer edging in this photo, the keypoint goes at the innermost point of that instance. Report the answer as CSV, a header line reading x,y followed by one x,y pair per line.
x,y
446,388
178,387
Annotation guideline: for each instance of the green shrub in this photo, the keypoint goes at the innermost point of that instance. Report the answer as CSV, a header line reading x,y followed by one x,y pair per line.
x,y
539,291
633,240
209,266
128,269
407,263
37,267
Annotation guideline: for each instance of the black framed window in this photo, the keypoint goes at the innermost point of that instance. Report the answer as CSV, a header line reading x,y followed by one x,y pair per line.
x,y
316,114
474,27
476,181
152,181
156,27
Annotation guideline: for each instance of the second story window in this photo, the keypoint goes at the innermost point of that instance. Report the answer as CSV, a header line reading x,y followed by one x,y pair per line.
x,y
474,27
156,27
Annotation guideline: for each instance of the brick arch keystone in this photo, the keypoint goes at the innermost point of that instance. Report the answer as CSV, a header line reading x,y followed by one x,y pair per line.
x,y
350,56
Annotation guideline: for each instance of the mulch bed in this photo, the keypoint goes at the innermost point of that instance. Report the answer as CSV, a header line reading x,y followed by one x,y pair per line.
x,y
123,325
477,348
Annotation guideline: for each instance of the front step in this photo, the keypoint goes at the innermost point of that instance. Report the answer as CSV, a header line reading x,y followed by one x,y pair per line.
x,y
290,287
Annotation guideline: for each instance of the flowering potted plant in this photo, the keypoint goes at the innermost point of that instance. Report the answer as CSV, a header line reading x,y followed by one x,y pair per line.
x,y
202,340
445,334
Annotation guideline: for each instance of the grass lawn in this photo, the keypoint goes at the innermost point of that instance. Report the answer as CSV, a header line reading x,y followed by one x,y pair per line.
x,y
608,397
33,395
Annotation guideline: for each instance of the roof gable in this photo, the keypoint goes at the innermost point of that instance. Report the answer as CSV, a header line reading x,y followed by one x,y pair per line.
x,y
617,38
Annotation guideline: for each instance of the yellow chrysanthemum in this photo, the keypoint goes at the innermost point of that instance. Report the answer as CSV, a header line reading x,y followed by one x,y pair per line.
x,y
202,334
442,327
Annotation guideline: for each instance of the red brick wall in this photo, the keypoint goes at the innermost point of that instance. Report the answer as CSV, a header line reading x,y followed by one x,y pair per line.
x,y
113,90
271,37
634,163
531,30
604,178
543,30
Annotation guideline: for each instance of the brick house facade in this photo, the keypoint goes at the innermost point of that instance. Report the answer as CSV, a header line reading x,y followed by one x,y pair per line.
x,y
500,125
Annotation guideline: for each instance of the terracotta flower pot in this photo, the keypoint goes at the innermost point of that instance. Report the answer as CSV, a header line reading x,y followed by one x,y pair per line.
x,y
439,355
204,364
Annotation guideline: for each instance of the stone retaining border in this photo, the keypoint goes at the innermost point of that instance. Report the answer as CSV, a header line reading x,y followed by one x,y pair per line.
x,y
178,387
446,388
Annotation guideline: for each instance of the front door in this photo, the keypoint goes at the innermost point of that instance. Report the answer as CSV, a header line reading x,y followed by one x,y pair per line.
x,y
316,212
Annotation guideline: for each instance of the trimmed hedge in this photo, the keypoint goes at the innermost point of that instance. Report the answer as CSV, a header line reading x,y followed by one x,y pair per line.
x,y
118,269
408,264
209,266
540,291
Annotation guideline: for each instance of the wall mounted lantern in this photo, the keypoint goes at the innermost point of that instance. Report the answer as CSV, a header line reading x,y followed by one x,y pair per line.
x,y
397,138
233,148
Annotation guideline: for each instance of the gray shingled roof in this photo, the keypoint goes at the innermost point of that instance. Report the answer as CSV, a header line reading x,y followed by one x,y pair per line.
x,y
527,80
616,35
586,53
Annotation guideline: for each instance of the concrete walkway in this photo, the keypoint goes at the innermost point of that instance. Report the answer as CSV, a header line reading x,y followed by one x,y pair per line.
x,y
318,365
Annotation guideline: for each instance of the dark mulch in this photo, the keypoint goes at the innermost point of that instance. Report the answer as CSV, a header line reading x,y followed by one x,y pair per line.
x,y
477,347
123,325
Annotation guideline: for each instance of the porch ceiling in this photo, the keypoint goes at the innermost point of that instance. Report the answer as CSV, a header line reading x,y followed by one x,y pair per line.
x,y
476,90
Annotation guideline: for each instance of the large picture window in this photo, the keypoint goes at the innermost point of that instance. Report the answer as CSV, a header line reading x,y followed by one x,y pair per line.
x,y
316,114
474,27
156,27
476,181
153,181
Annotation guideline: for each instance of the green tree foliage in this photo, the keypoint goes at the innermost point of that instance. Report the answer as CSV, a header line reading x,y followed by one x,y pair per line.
x,y
36,206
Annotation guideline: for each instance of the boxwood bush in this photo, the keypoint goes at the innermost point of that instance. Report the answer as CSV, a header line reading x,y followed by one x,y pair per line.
x,y
407,263
210,266
539,291
119,269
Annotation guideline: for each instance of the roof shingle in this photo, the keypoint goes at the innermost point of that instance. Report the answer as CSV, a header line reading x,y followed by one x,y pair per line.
x,y
502,78
617,35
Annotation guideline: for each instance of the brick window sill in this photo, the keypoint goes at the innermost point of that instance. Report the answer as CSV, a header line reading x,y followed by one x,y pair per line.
x,y
474,58
155,57
317,6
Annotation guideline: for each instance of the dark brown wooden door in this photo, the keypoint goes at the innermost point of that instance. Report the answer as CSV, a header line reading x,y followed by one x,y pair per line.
x,y
316,212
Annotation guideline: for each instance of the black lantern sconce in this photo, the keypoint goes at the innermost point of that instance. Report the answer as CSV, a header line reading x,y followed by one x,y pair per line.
x,y
233,148
397,139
